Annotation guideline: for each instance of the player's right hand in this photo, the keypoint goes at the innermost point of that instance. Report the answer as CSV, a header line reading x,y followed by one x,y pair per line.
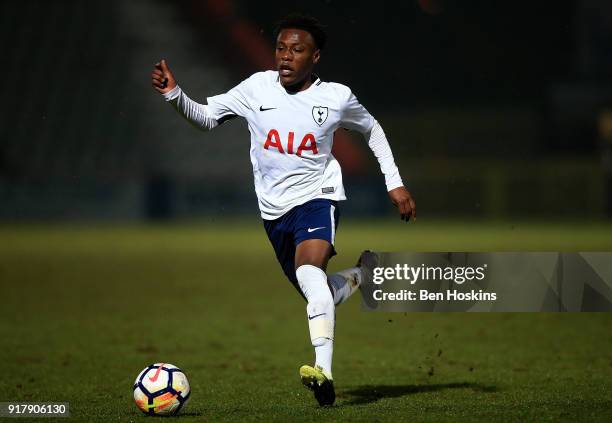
x,y
162,78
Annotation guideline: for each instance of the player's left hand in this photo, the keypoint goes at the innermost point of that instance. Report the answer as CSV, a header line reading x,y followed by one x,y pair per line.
x,y
402,199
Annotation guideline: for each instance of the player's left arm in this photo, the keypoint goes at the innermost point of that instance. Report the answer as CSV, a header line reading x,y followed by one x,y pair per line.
x,y
399,195
356,117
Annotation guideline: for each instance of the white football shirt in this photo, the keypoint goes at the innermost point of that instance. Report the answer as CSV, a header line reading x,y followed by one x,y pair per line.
x,y
292,137
291,154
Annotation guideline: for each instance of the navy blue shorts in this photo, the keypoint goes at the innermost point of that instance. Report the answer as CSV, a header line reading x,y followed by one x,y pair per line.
x,y
315,219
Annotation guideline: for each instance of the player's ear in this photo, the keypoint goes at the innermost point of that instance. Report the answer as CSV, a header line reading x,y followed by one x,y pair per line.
x,y
316,56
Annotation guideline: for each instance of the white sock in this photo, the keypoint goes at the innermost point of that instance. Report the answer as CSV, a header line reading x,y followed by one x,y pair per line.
x,y
320,312
323,356
345,283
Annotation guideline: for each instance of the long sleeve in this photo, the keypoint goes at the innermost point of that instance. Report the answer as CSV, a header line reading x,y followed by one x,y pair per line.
x,y
377,141
197,114
356,117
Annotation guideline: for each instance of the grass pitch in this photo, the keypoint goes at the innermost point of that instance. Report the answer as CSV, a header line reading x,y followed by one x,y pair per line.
x,y
84,309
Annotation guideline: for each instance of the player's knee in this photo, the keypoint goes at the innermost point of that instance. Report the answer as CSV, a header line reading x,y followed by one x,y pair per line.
x,y
313,283
313,252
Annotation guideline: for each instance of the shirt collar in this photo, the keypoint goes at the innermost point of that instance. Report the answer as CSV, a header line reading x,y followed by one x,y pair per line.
x,y
314,77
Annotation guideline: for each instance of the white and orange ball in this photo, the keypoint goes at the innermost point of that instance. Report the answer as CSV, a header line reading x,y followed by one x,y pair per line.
x,y
161,389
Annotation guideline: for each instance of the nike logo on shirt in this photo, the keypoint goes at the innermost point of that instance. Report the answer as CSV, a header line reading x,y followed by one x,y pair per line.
x,y
261,108
316,315
315,229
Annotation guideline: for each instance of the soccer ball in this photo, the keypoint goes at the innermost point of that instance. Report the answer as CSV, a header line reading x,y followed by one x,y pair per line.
x,y
161,389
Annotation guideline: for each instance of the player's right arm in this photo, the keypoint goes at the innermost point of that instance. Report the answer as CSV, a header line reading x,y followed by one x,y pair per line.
x,y
197,114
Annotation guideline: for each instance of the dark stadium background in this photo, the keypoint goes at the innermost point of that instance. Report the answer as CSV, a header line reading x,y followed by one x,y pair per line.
x,y
495,110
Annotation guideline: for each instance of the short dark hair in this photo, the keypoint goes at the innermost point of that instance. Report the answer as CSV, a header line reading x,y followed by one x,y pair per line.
x,y
306,23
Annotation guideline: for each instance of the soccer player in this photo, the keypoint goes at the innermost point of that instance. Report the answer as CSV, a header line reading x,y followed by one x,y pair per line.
x,y
292,115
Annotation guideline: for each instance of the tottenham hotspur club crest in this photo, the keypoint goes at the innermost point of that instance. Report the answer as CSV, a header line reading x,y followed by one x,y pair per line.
x,y
319,114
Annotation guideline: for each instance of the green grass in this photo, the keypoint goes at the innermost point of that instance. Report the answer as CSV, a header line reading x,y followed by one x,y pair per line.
x,y
84,309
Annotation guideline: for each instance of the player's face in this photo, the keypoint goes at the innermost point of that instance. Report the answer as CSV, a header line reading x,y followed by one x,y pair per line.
x,y
296,55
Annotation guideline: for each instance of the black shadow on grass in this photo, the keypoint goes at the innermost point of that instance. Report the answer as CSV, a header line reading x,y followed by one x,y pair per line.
x,y
371,393
177,416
